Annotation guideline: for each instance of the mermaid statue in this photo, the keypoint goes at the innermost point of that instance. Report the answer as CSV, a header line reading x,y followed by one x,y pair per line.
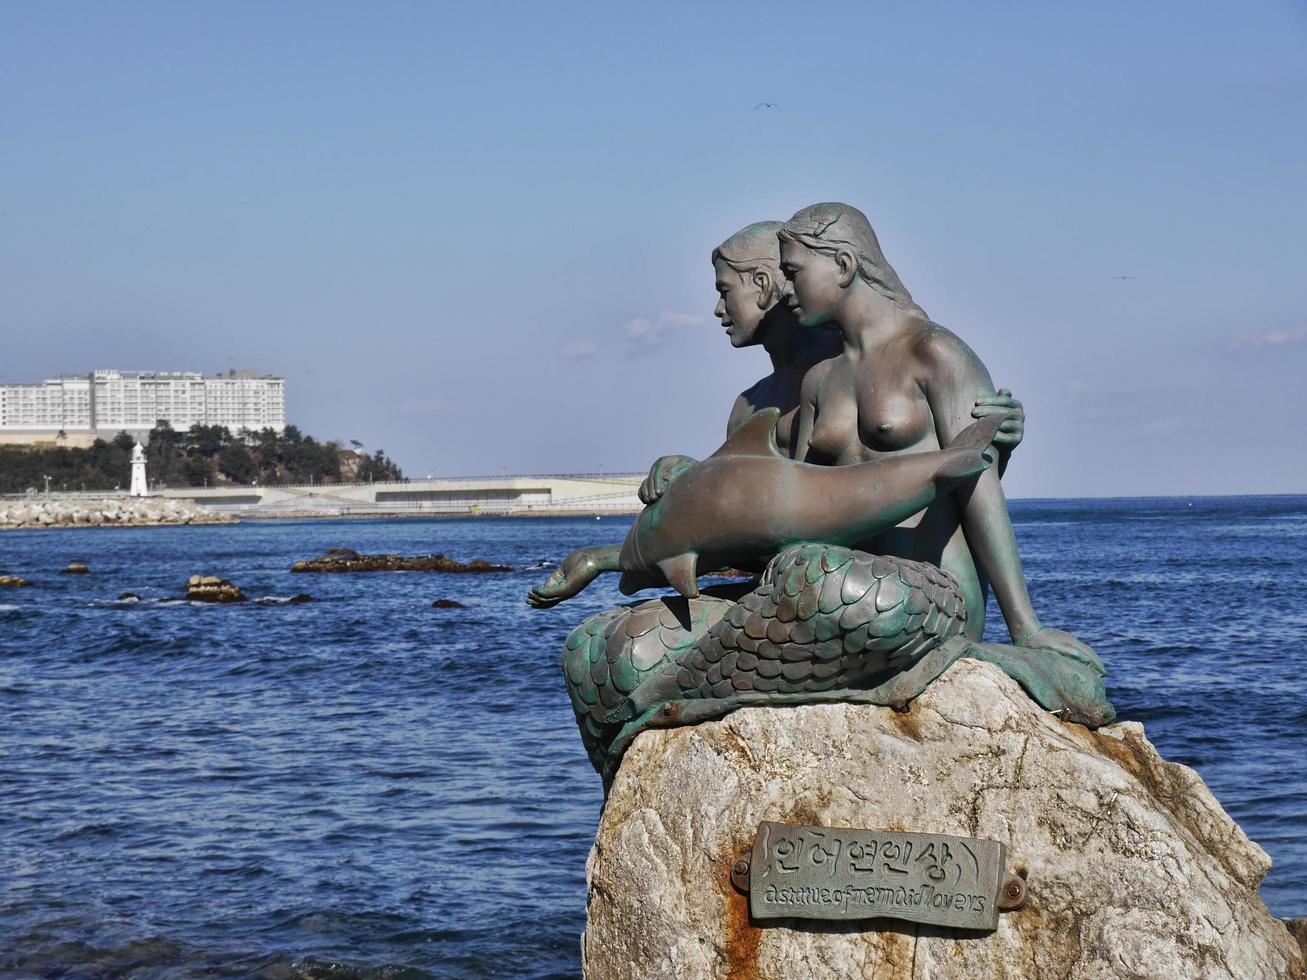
x,y
858,481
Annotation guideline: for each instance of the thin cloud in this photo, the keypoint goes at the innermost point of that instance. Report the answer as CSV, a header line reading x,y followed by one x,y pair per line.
x,y
1271,339
580,352
643,334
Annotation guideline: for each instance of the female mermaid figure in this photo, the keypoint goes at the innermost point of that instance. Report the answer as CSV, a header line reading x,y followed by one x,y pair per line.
x,y
902,384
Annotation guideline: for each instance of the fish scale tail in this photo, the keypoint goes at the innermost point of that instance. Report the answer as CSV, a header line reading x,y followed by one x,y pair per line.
x,y
823,623
825,617
611,654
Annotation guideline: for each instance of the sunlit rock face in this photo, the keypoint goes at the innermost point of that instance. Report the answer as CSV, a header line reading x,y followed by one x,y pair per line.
x,y
1133,868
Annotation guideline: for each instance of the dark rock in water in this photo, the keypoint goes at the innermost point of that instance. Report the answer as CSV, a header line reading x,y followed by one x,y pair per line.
x,y
348,560
447,604
75,568
206,588
129,597
13,582
295,600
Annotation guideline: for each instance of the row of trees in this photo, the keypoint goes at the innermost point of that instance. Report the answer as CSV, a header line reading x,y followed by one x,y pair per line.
x,y
104,466
204,455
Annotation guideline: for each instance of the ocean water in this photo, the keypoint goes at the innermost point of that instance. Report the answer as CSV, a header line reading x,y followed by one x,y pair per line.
x,y
367,786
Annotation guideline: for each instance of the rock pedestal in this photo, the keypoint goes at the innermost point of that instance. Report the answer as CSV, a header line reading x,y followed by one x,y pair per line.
x,y
1133,868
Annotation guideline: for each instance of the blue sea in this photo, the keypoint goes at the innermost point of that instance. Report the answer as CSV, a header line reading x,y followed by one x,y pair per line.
x,y
366,786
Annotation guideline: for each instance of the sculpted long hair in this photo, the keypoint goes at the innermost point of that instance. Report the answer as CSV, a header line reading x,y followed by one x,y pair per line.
x,y
833,227
756,248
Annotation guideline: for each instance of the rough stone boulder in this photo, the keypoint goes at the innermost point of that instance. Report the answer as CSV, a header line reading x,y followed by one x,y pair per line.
x,y
1133,868
207,588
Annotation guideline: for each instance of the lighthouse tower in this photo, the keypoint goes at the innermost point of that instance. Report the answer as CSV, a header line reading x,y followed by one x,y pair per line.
x,y
138,471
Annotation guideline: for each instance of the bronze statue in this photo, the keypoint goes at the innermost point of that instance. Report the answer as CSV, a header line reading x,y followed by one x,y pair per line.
x,y
754,311
871,524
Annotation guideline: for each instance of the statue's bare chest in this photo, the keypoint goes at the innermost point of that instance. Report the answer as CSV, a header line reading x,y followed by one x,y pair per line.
x,y
872,414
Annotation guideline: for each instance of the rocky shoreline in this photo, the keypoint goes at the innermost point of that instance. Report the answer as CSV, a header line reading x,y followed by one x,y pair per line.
x,y
41,512
349,560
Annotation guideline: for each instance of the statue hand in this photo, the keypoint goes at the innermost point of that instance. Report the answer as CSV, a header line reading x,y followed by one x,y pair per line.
x,y
1013,429
664,470
550,592
578,570
1047,638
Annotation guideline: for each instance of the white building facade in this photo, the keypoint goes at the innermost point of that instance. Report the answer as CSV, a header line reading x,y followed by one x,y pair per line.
x,y
105,403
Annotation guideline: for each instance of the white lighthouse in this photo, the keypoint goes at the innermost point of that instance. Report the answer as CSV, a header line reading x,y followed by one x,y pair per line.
x,y
138,471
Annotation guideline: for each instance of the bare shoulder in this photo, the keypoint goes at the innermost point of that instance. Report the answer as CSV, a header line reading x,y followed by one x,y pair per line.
x,y
814,376
942,354
745,405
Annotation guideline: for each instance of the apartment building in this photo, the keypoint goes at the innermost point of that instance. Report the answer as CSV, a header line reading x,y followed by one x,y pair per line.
x,y
107,402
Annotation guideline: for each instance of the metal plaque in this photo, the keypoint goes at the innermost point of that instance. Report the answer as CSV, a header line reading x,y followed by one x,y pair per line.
x,y
842,873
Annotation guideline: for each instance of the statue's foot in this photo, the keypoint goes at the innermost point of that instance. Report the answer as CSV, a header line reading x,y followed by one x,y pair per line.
x,y
578,570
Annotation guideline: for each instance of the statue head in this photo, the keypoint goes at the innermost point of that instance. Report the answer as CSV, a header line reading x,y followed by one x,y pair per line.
x,y
749,280
826,249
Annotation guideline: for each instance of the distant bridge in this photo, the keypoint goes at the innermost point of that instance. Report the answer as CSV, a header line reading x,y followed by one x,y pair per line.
x,y
503,495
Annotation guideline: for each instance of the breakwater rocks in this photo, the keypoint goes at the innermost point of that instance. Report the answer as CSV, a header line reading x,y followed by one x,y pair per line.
x,y
37,512
349,560
1132,867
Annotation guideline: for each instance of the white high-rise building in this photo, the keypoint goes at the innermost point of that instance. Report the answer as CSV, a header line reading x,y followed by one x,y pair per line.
x,y
107,402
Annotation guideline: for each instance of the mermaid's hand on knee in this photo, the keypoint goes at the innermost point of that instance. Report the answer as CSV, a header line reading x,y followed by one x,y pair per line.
x,y
1047,638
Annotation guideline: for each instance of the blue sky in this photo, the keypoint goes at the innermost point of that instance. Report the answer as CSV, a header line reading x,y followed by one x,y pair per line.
x,y
477,236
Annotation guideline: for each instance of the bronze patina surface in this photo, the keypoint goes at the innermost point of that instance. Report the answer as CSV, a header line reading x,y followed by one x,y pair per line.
x,y
856,477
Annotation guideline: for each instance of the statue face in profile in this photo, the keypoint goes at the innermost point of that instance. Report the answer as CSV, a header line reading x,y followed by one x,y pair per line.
x,y
818,281
745,298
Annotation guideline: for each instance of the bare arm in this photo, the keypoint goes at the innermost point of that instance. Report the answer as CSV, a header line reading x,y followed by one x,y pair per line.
x,y
953,379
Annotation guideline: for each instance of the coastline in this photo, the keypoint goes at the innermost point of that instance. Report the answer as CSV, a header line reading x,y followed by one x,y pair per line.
x,y
35,513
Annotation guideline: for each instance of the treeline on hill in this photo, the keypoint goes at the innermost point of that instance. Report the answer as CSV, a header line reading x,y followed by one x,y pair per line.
x,y
203,455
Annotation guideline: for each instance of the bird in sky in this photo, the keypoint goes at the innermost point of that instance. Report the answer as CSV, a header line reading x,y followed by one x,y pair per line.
x,y
765,105
1123,277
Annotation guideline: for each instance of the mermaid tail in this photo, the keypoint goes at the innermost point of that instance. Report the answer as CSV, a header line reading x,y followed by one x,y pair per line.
x,y
824,624
610,654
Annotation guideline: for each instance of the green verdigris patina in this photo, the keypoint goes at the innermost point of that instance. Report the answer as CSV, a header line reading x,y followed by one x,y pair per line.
x,y
852,479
